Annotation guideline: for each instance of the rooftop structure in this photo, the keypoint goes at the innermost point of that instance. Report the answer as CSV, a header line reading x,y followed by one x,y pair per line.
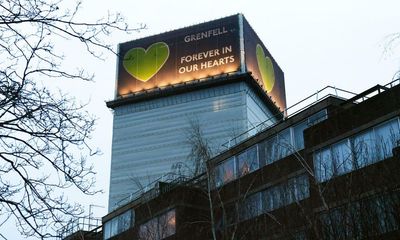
x,y
216,75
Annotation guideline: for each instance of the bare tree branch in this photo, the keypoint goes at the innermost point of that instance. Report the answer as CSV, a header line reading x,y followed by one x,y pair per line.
x,y
44,135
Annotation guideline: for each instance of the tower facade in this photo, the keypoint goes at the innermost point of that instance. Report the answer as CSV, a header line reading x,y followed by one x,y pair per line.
x,y
217,74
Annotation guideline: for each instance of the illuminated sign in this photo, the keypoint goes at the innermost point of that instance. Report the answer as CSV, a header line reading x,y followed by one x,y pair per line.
x,y
195,52
178,56
263,67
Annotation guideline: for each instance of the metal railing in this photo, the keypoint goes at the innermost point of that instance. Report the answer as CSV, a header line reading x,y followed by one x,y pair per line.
x,y
152,190
307,103
290,111
80,224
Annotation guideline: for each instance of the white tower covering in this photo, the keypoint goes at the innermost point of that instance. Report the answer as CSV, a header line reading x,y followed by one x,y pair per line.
x,y
149,137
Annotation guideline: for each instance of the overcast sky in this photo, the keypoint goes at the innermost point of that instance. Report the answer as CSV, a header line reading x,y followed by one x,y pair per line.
x,y
316,43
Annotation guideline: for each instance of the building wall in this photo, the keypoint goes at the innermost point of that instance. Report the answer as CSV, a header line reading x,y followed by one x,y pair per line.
x,y
149,137
284,199
256,113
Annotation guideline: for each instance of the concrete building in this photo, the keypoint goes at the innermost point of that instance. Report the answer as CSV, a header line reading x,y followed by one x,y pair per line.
x,y
150,134
326,171
329,171
198,75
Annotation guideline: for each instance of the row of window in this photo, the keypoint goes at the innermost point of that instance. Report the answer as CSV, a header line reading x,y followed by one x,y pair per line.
x,y
274,148
293,190
118,224
361,219
159,227
365,148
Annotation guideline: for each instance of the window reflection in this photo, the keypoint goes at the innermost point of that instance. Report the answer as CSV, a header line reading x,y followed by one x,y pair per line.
x,y
248,161
224,172
119,224
159,227
363,149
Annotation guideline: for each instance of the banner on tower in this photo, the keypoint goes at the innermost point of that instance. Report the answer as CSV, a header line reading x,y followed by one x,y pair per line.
x,y
181,55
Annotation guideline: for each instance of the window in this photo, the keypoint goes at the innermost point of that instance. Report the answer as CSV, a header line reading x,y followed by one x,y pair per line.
x,y
292,190
278,146
250,207
271,150
149,230
225,172
285,146
274,198
341,157
119,224
298,188
363,149
248,161
159,227
290,139
298,130
387,135
323,165
298,135
337,159
167,223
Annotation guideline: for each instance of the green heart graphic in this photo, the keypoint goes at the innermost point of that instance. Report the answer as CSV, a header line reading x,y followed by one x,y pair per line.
x,y
144,64
266,68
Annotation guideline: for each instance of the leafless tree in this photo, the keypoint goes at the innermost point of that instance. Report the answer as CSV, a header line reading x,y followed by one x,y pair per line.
x,y
391,46
220,213
159,227
200,147
43,134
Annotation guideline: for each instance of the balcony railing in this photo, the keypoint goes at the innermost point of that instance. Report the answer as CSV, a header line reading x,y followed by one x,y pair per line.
x,y
85,224
307,102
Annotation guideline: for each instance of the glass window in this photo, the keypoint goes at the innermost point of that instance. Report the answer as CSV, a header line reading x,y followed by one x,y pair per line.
x,y
118,224
274,197
323,167
292,190
302,187
364,149
124,221
250,207
298,135
387,136
159,227
248,161
167,224
114,226
148,230
224,172
290,195
297,189
107,230
284,144
268,200
271,150
341,157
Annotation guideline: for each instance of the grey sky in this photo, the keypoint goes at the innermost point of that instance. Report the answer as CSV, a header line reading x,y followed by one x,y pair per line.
x,y
316,43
